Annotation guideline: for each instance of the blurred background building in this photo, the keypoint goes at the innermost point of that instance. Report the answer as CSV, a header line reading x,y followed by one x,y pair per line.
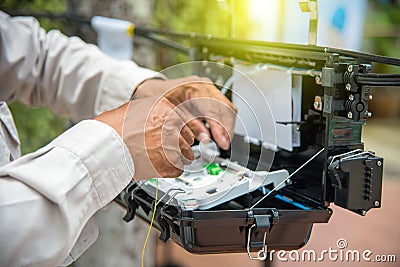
x,y
368,26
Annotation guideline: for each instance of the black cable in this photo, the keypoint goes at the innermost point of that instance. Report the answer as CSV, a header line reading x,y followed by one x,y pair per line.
x,y
379,75
376,79
371,79
378,83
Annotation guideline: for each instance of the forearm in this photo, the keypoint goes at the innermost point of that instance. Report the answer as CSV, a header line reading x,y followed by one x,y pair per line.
x,y
47,197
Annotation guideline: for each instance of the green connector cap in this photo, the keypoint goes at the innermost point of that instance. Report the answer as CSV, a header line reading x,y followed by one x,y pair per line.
x,y
152,180
213,169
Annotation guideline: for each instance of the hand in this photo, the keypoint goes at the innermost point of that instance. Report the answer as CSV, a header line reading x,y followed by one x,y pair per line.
x,y
156,135
200,100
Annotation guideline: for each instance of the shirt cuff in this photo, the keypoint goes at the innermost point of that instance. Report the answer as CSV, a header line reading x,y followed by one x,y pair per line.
x,y
103,153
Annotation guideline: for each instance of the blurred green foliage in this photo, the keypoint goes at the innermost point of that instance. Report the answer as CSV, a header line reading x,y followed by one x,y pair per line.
x,y
207,17
221,18
54,6
36,126
383,32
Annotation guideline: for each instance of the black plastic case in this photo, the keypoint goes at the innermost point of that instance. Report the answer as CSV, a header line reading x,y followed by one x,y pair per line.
x,y
224,229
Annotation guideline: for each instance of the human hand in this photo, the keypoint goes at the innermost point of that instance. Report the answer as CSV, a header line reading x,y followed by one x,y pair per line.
x,y
200,100
156,135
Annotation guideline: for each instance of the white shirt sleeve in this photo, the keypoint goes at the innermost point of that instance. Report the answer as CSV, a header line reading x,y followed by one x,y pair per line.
x,y
65,74
47,197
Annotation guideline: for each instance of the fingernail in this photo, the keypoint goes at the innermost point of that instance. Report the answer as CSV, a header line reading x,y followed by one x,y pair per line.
x,y
225,141
202,136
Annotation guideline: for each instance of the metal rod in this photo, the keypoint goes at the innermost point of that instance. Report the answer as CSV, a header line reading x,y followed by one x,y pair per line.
x,y
170,44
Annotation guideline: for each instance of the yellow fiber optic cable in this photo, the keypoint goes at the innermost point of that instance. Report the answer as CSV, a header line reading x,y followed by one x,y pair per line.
x,y
151,223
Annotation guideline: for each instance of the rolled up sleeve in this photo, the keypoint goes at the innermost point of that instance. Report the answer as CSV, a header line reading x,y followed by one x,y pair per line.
x,y
47,197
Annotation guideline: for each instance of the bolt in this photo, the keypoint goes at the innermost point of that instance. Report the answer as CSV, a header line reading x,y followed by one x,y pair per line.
x,y
379,163
318,103
370,97
348,87
363,213
350,68
359,106
351,97
318,79
350,115
376,203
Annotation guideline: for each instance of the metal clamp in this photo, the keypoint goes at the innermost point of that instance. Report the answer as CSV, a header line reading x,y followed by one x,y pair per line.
x,y
262,253
263,224
178,191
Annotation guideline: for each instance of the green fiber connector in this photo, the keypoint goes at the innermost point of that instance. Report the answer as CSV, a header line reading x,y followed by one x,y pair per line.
x,y
213,169
152,180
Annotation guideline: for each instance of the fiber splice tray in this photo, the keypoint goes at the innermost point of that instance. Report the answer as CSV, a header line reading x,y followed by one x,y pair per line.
x,y
335,91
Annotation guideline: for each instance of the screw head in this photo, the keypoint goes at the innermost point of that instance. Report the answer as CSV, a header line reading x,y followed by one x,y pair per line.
x,y
379,163
360,106
376,203
363,213
317,105
350,68
350,115
318,79
348,87
351,97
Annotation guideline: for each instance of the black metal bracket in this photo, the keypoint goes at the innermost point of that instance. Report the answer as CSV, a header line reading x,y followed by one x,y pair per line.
x,y
131,204
357,180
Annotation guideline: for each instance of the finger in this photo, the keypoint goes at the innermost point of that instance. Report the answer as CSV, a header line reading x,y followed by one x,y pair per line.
x,y
187,134
186,155
219,133
228,122
168,163
215,93
199,129
172,172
